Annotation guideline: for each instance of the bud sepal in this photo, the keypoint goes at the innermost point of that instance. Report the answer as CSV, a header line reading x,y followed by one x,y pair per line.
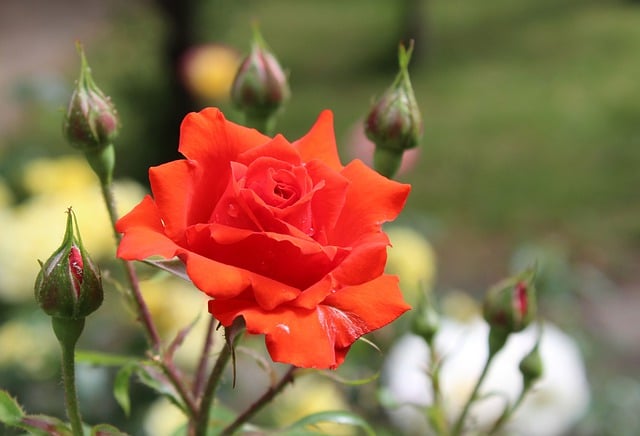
x,y
394,123
69,284
509,307
260,87
91,122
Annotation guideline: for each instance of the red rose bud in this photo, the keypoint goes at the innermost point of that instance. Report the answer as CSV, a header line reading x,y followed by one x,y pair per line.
x,y
91,122
394,123
260,86
69,284
509,307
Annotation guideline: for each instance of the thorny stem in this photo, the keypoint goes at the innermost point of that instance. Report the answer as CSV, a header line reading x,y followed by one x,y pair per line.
x,y
143,311
144,316
198,383
505,416
271,392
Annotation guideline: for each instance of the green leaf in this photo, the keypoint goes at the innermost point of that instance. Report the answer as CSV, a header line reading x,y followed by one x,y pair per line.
x,y
42,425
103,359
106,430
304,425
10,411
121,387
152,376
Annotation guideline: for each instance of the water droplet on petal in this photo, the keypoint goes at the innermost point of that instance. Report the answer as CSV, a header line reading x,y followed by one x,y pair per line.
x,y
232,210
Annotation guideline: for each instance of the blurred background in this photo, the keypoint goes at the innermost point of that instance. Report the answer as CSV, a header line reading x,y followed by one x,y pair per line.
x,y
531,154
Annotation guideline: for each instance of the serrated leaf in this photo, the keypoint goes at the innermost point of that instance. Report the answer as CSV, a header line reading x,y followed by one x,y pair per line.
x,y
301,426
106,430
10,411
121,387
44,425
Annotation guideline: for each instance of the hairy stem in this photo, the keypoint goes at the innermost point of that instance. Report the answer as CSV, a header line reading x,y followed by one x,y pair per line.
x,y
202,420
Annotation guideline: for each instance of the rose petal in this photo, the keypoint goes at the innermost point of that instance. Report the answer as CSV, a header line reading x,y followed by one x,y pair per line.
x,y
320,142
184,195
293,335
366,260
371,200
355,310
207,137
278,148
143,233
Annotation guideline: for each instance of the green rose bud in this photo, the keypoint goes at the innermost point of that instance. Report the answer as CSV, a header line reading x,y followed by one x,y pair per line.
x,y
509,307
69,284
394,124
425,321
260,86
531,367
91,122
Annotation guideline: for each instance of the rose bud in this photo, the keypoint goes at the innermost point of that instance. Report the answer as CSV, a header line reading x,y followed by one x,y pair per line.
x,y
509,307
69,284
531,367
425,321
91,122
260,86
394,123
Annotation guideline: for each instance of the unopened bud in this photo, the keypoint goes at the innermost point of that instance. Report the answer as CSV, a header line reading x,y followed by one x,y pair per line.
x,y
394,123
425,321
260,86
69,284
531,367
509,307
91,122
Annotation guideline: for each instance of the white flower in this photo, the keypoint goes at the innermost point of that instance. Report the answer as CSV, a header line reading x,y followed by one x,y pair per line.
x,y
553,406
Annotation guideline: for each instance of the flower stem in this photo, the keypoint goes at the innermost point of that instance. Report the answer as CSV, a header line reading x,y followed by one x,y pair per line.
x,y
202,420
141,307
198,383
271,392
68,331
457,429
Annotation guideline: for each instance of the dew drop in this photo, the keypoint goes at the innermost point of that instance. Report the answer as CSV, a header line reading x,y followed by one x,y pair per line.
x,y
232,210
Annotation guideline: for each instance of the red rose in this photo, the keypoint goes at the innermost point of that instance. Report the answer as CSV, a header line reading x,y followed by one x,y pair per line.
x,y
279,233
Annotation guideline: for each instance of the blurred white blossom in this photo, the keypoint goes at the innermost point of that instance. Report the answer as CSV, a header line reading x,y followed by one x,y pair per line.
x,y
555,404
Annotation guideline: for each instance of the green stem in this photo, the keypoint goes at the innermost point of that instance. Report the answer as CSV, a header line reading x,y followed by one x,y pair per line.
x,y
68,331
457,429
505,416
259,403
436,412
141,307
202,420
198,383
259,122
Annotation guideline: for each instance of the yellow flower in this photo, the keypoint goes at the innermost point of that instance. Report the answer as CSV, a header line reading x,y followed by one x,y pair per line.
x,y
28,347
5,194
209,71
412,258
